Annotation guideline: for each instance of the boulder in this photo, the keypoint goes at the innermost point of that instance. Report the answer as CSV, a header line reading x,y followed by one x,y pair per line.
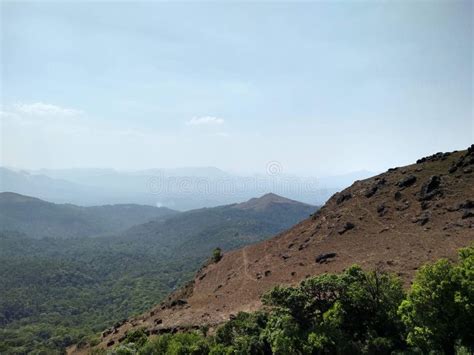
x,y
347,226
430,188
110,343
343,197
466,205
381,210
322,258
371,191
467,214
407,181
422,219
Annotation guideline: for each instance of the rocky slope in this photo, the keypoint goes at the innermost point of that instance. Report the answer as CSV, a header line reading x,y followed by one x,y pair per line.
x,y
395,221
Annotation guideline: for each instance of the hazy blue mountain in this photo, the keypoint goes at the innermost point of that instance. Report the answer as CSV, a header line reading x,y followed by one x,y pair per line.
x,y
38,219
42,186
180,188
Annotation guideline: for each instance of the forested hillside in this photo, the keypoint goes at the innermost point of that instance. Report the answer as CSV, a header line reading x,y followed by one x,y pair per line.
x,y
39,219
198,232
55,291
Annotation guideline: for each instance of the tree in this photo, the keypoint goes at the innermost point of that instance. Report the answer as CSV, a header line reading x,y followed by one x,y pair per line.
x,y
243,333
217,255
439,310
352,311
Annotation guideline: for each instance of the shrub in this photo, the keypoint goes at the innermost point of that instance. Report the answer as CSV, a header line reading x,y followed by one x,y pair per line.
x,y
439,310
341,313
216,255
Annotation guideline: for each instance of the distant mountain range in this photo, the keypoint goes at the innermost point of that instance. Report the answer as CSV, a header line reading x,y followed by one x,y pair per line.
x,y
181,188
39,219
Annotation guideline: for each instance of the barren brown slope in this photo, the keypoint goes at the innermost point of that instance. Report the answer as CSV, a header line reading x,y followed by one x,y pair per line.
x,y
397,221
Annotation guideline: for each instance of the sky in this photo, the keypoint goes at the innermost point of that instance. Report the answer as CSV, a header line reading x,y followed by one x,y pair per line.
x,y
318,87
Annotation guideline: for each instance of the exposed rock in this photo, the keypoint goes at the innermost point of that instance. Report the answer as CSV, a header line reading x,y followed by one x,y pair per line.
x,y
110,343
430,188
343,197
322,258
404,205
346,227
178,302
381,210
398,196
107,332
371,191
467,214
434,157
422,219
407,181
425,205
468,204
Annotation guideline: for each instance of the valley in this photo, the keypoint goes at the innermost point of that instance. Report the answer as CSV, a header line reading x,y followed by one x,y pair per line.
x,y
61,283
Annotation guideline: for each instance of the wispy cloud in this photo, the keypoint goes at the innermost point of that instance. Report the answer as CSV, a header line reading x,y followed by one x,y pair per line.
x,y
43,109
205,120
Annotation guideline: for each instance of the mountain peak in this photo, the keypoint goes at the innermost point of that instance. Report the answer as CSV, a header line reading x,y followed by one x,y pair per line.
x,y
265,201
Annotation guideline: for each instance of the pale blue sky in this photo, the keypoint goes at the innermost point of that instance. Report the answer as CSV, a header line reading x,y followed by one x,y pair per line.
x,y
323,87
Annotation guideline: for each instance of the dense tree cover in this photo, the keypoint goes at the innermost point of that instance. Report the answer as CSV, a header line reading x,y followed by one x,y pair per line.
x,y
57,291
198,232
53,293
41,219
354,312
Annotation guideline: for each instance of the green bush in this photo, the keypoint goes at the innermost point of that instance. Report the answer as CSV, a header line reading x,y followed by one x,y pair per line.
x,y
177,344
216,255
439,310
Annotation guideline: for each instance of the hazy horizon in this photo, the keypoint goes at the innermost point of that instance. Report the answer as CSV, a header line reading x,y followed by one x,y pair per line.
x,y
320,88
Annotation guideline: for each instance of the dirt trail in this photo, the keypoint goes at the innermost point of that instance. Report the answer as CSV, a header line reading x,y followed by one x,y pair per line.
x,y
246,266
